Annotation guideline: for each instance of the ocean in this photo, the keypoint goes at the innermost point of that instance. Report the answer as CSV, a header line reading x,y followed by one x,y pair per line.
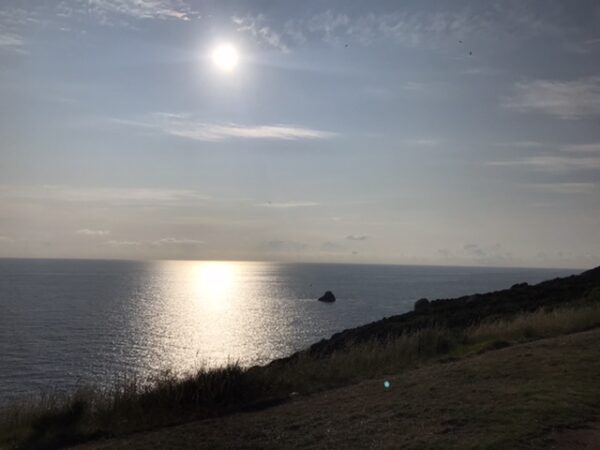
x,y
66,324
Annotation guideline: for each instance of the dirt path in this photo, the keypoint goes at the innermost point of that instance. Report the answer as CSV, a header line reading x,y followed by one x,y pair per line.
x,y
506,399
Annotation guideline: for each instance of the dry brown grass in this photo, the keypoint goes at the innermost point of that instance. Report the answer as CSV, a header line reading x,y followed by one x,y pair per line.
x,y
538,324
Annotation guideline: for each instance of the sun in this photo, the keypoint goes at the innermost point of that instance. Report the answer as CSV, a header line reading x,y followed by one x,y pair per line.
x,y
225,57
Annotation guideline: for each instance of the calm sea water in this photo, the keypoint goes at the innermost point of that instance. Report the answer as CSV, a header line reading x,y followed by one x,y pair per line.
x,y
64,324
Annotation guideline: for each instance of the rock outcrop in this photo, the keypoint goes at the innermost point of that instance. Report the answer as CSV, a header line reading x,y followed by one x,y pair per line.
x,y
327,297
422,305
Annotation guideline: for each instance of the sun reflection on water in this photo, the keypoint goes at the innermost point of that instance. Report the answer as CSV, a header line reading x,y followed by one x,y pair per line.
x,y
209,313
215,282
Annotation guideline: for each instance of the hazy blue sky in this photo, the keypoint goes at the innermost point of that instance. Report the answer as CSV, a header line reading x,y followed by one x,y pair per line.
x,y
418,132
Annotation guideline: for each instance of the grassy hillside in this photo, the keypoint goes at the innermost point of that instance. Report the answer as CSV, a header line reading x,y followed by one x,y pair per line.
x,y
445,332
472,309
514,398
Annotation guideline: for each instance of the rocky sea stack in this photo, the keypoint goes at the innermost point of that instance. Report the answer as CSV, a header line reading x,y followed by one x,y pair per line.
x,y
327,297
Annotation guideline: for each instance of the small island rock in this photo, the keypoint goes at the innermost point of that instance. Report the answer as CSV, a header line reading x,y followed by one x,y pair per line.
x,y
327,297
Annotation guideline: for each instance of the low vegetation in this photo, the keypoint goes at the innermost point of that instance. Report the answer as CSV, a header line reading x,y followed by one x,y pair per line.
x,y
57,421
307,373
520,398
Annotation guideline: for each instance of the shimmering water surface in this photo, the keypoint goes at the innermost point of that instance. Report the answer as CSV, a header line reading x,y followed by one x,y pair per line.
x,y
64,324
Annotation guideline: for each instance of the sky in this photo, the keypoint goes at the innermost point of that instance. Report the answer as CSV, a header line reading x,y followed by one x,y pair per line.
x,y
406,132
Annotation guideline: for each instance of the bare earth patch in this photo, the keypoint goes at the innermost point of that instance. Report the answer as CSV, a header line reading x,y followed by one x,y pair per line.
x,y
587,438
518,397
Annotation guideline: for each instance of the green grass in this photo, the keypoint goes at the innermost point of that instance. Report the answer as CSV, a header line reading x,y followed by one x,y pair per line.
x,y
56,421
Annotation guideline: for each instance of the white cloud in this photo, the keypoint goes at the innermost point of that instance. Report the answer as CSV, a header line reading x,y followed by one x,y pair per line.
x,y
107,10
582,47
424,142
186,126
583,148
89,232
409,29
12,42
354,237
338,28
441,27
565,99
124,243
565,188
564,158
15,23
295,204
163,242
520,144
331,247
177,241
473,250
550,163
489,254
444,252
100,195
256,27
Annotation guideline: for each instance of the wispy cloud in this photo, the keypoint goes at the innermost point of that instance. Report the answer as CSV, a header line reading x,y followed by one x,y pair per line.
x,y
256,27
14,25
415,86
565,99
484,253
423,142
124,243
583,47
90,232
473,249
550,163
407,28
12,42
188,127
177,241
108,11
354,237
338,28
520,144
444,252
558,158
284,205
564,188
100,195
593,147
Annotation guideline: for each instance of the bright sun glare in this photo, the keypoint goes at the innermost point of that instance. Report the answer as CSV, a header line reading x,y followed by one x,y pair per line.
x,y
225,57
215,282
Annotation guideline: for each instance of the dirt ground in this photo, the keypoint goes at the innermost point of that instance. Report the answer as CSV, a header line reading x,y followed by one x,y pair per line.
x,y
528,396
587,438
